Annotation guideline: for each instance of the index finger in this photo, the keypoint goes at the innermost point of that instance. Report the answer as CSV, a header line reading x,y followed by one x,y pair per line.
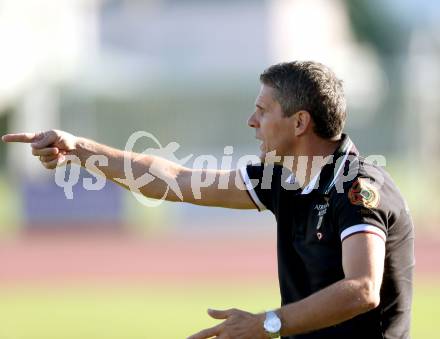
x,y
207,333
19,137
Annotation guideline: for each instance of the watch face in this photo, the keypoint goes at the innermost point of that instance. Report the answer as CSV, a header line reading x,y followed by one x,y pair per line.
x,y
272,323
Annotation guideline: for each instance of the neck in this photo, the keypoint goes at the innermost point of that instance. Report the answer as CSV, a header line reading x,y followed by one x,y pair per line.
x,y
313,145
310,156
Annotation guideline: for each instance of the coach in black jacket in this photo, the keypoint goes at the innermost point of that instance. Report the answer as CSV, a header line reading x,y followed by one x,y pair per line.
x,y
345,237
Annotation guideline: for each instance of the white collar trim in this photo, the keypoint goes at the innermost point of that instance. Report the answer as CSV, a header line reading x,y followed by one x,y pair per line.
x,y
311,185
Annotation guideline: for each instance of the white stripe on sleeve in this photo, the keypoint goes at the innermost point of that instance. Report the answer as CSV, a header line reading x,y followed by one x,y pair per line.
x,y
251,190
363,228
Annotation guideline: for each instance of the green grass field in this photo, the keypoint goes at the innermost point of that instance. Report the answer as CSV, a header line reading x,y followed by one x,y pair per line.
x,y
151,312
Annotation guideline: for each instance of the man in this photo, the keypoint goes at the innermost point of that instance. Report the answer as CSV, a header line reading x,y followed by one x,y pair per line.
x,y
345,238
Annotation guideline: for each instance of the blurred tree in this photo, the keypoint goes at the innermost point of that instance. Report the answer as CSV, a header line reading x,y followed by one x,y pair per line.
x,y
382,25
3,130
376,22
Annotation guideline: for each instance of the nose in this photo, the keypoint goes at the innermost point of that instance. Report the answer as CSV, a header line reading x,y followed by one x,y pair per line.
x,y
252,121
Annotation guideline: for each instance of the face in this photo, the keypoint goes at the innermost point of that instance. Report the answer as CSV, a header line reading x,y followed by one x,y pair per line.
x,y
272,127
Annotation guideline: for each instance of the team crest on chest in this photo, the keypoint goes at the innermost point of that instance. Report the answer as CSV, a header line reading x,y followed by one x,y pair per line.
x,y
363,193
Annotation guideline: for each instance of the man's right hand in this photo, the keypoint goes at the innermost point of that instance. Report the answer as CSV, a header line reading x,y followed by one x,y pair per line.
x,y
50,146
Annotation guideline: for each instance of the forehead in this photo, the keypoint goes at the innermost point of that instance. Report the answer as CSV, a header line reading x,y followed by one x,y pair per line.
x,y
266,96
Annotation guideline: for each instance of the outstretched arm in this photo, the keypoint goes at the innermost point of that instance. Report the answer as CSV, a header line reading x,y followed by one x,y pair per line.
x,y
54,146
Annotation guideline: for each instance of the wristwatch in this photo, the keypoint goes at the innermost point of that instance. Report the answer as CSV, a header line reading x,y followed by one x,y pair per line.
x,y
272,324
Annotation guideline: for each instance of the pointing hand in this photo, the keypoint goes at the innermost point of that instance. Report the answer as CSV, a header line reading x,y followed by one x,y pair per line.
x,y
50,146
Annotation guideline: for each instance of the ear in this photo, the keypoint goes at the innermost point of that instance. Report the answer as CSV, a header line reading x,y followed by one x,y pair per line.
x,y
302,122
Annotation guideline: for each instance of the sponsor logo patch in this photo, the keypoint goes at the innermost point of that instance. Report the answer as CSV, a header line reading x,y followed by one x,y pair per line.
x,y
363,193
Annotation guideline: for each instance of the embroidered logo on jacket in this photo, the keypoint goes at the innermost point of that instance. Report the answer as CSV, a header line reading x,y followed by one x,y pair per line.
x,y
363,193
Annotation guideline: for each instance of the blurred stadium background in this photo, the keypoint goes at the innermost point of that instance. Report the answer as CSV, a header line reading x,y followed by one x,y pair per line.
x,y
104,266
